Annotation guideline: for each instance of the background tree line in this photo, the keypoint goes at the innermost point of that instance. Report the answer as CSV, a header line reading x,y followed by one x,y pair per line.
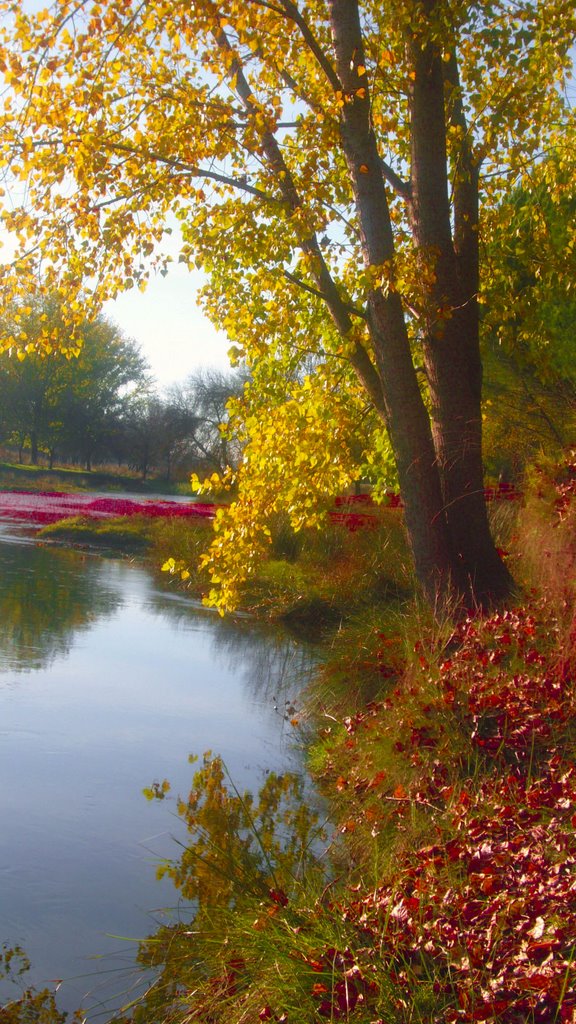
x,y
98,404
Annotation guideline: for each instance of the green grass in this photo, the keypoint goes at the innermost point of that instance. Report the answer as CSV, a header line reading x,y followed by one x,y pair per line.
x,y
129,535
33,478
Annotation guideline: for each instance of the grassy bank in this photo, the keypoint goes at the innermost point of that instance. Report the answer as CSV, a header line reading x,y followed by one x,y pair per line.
x,y
312,581
443,888
39,478
125,535
446,891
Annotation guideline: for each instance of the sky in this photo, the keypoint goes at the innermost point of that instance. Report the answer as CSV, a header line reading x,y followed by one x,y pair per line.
x,y
172,333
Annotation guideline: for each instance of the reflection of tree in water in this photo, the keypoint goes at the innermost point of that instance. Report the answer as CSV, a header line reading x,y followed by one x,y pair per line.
x,y
46,596
274,666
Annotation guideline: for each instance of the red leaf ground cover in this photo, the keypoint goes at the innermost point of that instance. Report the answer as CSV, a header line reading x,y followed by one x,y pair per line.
x,y
483,912
42,507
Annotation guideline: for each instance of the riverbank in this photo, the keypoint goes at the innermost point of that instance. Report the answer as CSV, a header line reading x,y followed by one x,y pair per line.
x,y
313,580
446,893
42,478
445,754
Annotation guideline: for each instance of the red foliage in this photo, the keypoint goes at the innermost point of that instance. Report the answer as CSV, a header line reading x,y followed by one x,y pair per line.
x,y
355,512
42,507
344,986
493,911
487,907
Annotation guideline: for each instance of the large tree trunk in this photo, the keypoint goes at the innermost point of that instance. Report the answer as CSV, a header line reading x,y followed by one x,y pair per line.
x,y
447,241
408,427
457,428
439,460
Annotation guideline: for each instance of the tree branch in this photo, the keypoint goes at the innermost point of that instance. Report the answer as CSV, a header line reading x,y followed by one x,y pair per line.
x,y
353,310
294,14
295,88
195,172
403,188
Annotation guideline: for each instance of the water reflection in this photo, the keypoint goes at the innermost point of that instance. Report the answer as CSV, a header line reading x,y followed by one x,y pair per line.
x,y
125,679
45,601
273,665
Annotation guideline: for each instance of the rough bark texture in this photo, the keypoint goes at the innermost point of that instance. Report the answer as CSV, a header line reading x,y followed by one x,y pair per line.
x,y
439,457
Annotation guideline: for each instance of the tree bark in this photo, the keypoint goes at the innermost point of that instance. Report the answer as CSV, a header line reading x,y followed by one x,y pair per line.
x,y
439,458
451,338
33,448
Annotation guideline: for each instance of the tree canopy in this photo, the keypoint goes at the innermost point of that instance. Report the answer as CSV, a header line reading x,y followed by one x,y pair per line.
x,y
330,166
529,317
69,406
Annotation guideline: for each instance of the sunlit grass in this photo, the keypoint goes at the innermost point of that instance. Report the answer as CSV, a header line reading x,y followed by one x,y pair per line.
x,y
130,535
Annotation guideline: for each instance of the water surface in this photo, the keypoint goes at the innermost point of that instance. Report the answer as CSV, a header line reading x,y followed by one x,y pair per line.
x,y
109,680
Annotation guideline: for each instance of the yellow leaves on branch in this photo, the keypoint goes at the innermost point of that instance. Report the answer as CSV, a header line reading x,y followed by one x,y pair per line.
x,y
117,113
297,458
176,568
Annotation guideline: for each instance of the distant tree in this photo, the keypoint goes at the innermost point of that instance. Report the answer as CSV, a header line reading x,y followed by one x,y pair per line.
x,y
23,395
155,432
186,426
28,386
67,404
100,385
205,395
178,427
137,433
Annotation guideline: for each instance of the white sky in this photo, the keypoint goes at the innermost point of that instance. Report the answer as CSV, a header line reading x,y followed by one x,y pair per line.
x,y
174,336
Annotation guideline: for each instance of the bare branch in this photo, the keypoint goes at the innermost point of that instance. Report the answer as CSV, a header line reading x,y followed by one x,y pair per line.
x,y
353,310
403,188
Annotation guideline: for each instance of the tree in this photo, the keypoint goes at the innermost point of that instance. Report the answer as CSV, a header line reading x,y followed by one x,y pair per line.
x,y
529,314
328,165
153,433
99,385
205,396
186,426
69,404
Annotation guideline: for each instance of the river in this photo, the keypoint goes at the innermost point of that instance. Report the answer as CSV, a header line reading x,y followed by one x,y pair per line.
x,y
109,680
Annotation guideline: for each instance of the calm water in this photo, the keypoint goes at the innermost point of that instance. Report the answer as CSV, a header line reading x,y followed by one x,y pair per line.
x,y
108,682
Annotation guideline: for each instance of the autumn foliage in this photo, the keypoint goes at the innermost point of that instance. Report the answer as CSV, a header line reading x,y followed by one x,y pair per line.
x,y
483,901
335,171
